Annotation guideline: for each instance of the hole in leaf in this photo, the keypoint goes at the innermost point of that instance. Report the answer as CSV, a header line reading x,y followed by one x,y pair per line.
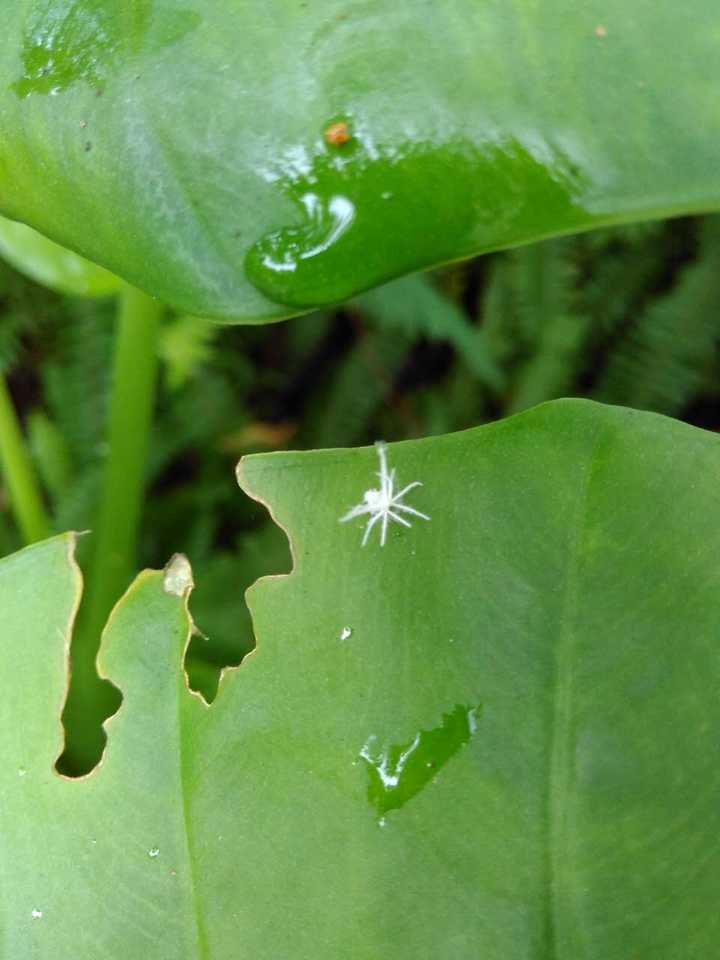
x,y
219,609
91,703
90,699
398,773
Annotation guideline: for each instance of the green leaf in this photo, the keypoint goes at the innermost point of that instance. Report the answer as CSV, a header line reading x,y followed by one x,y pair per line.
x,y
195,148
494,737
52,265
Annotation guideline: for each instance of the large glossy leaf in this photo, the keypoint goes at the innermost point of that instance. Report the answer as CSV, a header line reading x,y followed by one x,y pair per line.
x,y
184,145
496,736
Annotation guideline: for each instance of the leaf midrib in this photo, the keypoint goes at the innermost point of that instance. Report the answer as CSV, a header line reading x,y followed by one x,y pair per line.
x,y
561,925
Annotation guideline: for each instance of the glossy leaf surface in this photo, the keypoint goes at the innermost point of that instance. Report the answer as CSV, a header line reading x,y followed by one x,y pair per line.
x,y
51,265
493,737
245,161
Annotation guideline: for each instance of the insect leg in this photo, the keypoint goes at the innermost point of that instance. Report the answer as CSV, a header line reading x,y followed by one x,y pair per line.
x,y
384,478
368,527
384,528
410,486
406,509
396,516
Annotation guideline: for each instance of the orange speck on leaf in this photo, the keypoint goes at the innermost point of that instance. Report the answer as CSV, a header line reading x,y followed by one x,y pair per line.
x,y
337,134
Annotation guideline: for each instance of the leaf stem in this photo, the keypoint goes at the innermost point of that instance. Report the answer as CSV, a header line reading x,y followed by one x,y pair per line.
x,y
123,486
114,541
22,484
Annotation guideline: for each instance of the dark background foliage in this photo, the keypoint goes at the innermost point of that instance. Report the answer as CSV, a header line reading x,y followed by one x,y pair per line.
x,y
627,316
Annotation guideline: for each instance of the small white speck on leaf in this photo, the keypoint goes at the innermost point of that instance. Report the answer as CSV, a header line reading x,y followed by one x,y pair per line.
x,y
36,914
155,852
472,721
346,633
178,578
22,772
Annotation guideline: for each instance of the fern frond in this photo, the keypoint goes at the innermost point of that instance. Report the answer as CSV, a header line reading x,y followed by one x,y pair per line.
x,y
76,378
554,330
305,333
500,310
361,381
194,416
23,307
620,267
661,361
416,307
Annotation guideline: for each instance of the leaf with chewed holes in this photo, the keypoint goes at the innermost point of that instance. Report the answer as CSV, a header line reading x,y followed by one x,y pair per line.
x,y
493,737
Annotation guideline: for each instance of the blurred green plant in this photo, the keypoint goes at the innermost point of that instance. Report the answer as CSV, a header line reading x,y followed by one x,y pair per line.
x,y
626,315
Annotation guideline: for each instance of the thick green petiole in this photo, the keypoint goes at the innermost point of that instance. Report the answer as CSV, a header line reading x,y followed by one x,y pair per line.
x,y
115,533
131,408
20,479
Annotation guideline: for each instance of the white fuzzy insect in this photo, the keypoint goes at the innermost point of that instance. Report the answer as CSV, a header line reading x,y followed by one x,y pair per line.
x,y
384,504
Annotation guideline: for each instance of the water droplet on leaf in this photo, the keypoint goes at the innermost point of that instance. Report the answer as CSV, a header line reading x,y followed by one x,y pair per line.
x,y
397,773
345,237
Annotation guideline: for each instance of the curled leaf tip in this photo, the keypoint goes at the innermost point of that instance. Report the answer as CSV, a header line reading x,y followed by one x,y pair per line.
x,y
178,577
